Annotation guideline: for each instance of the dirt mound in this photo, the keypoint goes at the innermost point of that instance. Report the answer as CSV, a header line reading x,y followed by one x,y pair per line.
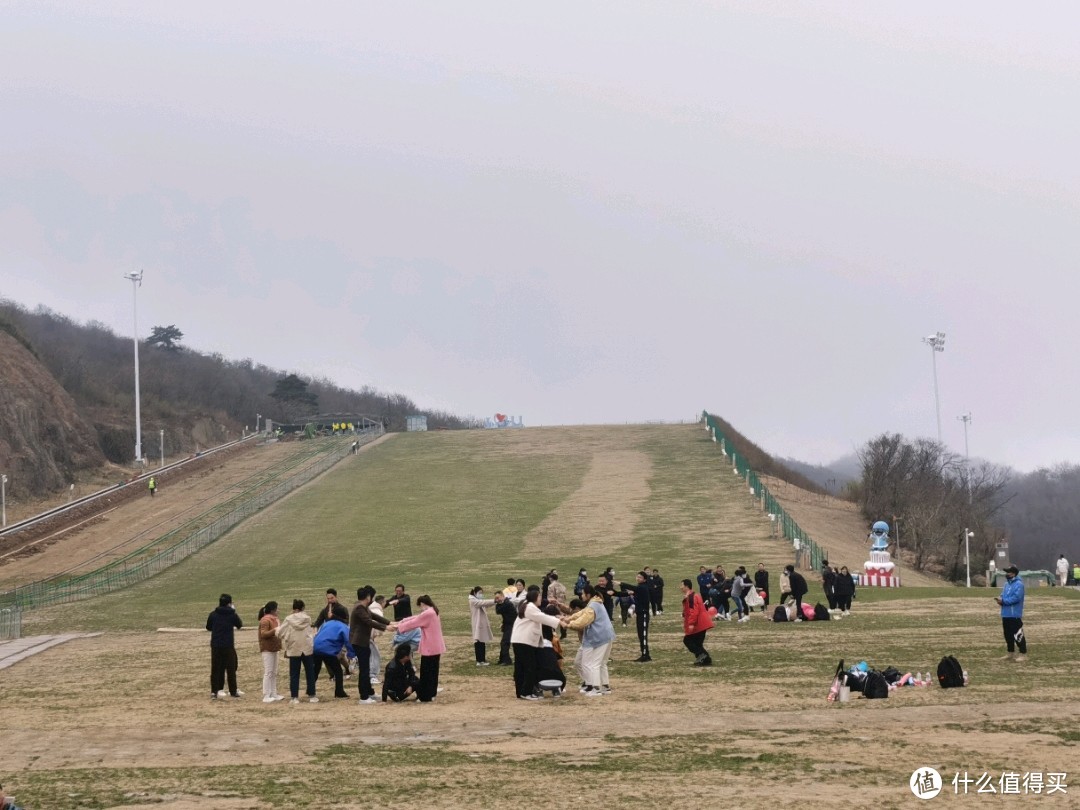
x,y
44,441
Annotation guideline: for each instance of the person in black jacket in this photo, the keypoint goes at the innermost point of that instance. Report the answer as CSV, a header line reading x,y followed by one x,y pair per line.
x,y
333,607
508,611
828,582
761,582
605,585
798,590
400,681
844,590
221,622
641,613
656,591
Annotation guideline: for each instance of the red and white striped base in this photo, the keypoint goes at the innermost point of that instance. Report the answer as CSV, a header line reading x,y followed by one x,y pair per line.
x,y
878,581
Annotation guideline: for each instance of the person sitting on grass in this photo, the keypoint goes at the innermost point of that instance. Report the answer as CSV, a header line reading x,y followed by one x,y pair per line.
x,y
400,682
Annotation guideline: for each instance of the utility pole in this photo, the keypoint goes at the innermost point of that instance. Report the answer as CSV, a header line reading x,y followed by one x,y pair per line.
x,y
136,282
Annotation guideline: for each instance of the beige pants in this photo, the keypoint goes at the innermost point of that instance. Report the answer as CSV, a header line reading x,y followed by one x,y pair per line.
x,y
594,664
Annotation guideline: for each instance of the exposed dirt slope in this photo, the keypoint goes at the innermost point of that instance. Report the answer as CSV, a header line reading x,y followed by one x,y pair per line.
x,y
44,441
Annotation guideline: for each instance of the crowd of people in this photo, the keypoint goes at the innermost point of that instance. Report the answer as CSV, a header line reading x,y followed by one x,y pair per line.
x,y
530,623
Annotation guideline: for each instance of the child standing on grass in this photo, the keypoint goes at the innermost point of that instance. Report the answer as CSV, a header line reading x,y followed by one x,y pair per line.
x,y
432,646
269,647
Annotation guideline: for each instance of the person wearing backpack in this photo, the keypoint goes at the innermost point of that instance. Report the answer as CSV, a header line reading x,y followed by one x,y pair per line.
x,y
1012,612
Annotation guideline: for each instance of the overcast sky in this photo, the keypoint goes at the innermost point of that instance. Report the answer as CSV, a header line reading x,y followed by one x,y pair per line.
x,y
575,212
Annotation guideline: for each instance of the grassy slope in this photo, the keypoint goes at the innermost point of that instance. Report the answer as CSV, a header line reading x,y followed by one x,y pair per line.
x,y
444,511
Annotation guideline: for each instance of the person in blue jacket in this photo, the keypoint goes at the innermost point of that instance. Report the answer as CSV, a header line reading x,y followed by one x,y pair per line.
x,y
331,638
1012,612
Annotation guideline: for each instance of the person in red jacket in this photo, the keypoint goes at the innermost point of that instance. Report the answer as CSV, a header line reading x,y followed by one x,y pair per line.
x,y
696,623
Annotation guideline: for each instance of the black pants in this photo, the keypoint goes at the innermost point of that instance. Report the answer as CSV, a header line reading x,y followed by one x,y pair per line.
x,y
798,597
765,597
295,664
222,665
831,597
695,643
657,599
429,678
363,671
524,669
843,602
624,608
333,666
480,649
1014,634
643,632
504,646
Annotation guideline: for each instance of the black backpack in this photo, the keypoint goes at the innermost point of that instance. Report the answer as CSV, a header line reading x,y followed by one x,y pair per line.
x,y
875,686
821,613
780,614
949,673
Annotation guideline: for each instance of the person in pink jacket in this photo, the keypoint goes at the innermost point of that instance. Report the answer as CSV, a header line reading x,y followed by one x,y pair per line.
x,y
432,646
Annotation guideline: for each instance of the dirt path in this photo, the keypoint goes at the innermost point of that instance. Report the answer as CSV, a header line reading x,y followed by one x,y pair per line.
x,y
601,514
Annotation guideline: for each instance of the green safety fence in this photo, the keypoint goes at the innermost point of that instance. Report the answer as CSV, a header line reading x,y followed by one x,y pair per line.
x,y
177,545
11,622
808,554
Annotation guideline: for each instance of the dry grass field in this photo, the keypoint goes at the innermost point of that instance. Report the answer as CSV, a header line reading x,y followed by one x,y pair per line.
x,y
124,719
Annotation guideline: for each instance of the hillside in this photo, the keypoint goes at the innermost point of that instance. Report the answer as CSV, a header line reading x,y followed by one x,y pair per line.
x,y
84,372
44,440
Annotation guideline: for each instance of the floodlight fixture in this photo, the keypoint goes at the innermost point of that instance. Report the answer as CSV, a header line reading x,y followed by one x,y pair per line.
x,y
936,342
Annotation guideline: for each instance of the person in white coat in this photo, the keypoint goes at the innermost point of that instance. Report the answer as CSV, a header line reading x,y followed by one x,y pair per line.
x,y
1062,571
526,639
481,624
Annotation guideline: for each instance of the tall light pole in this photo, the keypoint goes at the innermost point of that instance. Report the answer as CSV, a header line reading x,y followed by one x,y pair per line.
x,y
3,499
967,552
936,342
163,447
136,282
966,419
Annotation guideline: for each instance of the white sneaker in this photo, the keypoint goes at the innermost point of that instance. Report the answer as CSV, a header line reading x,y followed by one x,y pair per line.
x,y
530,697
846,613
313,699
375,681
438,690
294,700
279,697
593,693
482,664
269,699
744,619
585,690
370,700
605,690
